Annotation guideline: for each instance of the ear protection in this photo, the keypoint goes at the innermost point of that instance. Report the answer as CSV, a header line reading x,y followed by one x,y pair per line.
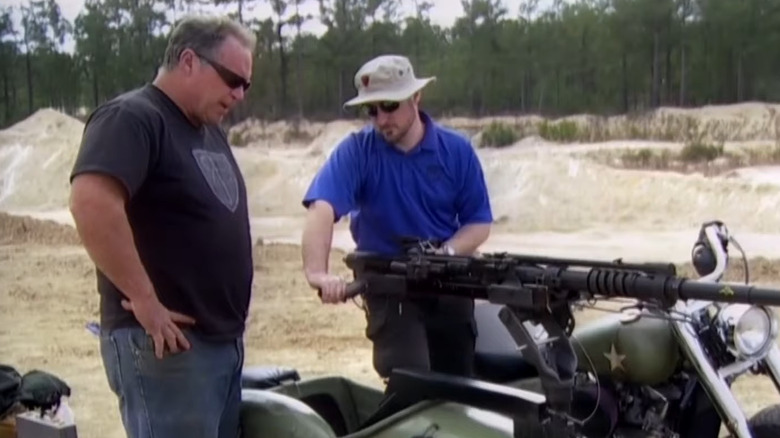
x,y
702,254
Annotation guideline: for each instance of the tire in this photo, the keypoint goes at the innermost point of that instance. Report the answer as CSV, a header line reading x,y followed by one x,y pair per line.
x,y
766,422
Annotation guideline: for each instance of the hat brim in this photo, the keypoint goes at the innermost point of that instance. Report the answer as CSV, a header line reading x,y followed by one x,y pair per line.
x,y
397,95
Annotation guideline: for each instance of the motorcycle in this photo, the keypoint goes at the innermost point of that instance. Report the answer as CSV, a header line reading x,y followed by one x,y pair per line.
x,y
654,372
661,367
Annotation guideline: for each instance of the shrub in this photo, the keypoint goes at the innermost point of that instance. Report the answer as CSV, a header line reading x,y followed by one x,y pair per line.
x,y
563,131
498,135
641,158
696,152
296,134
646,158
237,140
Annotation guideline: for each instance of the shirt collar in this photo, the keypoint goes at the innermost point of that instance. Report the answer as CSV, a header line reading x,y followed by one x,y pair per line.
x,y
429,141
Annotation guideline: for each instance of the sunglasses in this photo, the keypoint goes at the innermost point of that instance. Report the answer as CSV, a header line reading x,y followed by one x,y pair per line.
x,y
385,107
230,78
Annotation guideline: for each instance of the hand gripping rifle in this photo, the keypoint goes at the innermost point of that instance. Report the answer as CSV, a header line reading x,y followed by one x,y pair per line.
x,y
540,290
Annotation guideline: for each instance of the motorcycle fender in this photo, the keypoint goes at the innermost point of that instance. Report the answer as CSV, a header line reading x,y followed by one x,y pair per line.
x,y
643,351
447,419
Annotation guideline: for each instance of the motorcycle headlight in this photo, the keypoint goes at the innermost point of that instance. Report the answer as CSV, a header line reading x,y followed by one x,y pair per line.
x,y
749,331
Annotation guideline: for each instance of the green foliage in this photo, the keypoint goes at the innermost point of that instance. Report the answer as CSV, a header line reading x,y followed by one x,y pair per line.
x,y
296,134
556,58
697,152
561,131
237,139
640,158
646,158
498,134
706,158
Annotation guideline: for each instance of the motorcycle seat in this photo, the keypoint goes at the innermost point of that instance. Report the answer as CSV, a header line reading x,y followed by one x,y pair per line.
x,y
265,377
497,358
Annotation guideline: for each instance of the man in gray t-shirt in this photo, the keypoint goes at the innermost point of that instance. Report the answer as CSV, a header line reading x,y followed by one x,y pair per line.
x,y
161,207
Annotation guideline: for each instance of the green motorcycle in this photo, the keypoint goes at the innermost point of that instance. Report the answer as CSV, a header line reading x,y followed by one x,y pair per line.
x,y
663,367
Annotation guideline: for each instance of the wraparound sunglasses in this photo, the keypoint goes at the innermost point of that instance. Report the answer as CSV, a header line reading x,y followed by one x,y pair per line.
x,y
385,107
227,75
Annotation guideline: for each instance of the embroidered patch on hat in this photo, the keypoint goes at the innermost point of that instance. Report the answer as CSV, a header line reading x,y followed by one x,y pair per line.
x,y
364,79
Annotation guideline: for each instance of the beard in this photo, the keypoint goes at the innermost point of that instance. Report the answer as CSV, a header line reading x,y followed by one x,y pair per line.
x,y
396,132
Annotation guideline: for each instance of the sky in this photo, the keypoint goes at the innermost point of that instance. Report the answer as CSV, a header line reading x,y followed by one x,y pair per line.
x,y
444,12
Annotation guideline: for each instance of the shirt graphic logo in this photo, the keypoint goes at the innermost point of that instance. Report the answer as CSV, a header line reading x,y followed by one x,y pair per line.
x,y
219,174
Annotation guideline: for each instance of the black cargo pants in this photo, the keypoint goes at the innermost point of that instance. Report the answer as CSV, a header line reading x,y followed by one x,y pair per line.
x,y
431,334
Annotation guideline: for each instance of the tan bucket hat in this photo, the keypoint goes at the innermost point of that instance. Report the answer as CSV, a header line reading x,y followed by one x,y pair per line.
x,y
386,78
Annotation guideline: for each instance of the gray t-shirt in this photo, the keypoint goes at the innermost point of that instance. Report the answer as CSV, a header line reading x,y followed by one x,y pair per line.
x,y
187,209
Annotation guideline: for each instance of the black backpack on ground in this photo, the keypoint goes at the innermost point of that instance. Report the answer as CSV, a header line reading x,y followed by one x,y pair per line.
x,y
10,383
35,390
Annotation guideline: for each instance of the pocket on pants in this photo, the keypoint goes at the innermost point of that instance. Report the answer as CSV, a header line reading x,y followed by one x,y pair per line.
x,y
139,341
109,352
148,364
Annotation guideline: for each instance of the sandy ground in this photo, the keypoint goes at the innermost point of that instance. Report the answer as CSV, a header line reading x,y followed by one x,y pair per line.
x,y
548,199
48,297
48,284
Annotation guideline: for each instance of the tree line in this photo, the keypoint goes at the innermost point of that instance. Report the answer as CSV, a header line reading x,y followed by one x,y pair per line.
x,y
594,56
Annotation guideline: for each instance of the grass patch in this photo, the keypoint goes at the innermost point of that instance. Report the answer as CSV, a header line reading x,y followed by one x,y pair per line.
x,y
702,157
498,135
660,125
646,158
564,131
650,126
297,135
700,152
238,139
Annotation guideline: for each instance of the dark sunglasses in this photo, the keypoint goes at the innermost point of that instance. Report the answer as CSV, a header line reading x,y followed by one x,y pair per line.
x,y
230,78
385,107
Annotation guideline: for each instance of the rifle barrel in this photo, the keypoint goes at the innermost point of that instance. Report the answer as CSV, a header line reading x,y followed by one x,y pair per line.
x,y
668,289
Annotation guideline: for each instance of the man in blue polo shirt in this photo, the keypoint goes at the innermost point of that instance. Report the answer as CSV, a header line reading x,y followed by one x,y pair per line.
x,y
404,176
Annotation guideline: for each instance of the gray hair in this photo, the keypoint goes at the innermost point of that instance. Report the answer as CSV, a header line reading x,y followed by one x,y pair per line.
x,y
204,34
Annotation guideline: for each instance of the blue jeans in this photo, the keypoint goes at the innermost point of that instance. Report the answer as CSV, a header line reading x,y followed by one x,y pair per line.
x,y
194,394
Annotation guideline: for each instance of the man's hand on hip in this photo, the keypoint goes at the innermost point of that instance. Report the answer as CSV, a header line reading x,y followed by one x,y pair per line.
x,y
160,324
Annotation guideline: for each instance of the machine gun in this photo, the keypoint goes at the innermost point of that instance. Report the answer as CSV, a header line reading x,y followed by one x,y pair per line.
x,y
539,290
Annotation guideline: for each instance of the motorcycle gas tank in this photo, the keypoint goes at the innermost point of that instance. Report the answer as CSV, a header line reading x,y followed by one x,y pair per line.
x,y
642,351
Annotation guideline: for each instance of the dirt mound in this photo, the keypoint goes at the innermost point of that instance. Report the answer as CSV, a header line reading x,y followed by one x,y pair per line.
x,y
286,135
748,121
36,156
277,178
16,230
535,185
260,133
714,123
536,190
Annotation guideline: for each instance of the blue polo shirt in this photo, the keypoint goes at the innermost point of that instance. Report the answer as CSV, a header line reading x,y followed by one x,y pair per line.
x,y
428,193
